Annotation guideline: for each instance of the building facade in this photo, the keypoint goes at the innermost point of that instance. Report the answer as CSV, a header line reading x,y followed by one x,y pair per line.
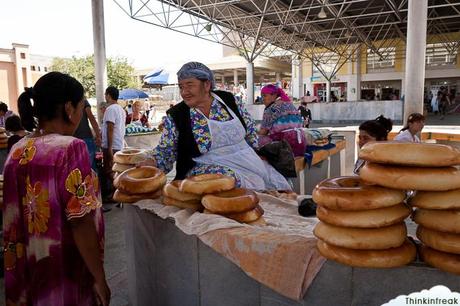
x,y
19,69
368,76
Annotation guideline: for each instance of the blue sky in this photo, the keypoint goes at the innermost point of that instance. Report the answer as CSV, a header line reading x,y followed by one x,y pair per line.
x,y
64,28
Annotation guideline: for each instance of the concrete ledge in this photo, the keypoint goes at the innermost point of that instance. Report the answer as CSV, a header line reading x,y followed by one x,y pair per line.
x,y
168,267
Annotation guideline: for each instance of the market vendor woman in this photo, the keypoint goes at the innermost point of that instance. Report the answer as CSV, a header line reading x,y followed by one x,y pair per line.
x,y
208,132
281,120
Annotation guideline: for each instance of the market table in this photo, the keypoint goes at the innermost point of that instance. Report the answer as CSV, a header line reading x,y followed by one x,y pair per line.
x,y
322,165
143,140
172,262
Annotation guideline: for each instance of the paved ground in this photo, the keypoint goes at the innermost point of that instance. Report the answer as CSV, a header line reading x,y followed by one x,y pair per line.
x,y
115,252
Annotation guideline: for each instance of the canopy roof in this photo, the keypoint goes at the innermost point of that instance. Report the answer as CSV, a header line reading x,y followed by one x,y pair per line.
x,y
291,25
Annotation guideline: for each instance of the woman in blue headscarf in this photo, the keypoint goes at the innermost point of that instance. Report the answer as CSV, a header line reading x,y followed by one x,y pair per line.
x,y
209,132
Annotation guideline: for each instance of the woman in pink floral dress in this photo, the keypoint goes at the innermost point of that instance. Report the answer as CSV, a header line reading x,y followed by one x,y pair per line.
x,y
52,223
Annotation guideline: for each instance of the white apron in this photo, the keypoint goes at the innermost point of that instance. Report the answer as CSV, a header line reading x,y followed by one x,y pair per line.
x,y
229,148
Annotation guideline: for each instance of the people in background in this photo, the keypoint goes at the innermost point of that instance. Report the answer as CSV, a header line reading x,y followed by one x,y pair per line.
x,y
334,97
53,231
113,133
372,130
84,133
281,120
4,114
435,103
136,116
211,132
444,102
305,112
14,126
413,127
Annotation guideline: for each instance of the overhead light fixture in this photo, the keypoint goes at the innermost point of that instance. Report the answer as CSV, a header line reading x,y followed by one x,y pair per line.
x,y
208,27
322,13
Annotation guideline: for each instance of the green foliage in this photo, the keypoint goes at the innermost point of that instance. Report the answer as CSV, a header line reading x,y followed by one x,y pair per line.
x,y
119,72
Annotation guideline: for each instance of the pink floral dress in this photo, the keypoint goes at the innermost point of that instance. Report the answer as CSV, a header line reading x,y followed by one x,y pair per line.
x,y
47,182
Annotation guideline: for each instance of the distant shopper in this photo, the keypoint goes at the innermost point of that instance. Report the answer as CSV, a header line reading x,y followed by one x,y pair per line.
x,y
113,133
444,102
14,126
84,133
435,103
372,130
305,112
4,113
136,116
415,124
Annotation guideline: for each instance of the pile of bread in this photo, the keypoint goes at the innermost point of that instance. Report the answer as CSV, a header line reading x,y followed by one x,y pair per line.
x,y
126,159
438,219
214,194
138,183
393,168
3,139
362,225
210,193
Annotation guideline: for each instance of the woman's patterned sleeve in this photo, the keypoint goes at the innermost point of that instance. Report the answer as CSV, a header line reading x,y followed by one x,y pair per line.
x,y
268,117
79,185
251,132
165,153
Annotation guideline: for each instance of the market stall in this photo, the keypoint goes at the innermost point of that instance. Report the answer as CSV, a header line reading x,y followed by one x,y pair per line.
x,y
323,162
167,266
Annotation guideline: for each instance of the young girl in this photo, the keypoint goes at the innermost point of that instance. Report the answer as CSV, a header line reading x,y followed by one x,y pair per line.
x,y
415,124
372,130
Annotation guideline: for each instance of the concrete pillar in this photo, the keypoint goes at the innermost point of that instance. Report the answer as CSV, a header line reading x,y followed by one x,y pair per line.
x,y
235,77
250,83
354,81
415,57
328,91
222,80
358,75
297,79
278,79
99,53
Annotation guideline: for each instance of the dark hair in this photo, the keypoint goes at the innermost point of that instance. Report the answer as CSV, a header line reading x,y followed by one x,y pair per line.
x,y
377,128
113,92
50,93
414,117
3,107
13,124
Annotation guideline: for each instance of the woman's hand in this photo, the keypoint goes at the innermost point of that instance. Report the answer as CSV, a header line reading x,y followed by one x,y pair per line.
x,y
102,291
262,131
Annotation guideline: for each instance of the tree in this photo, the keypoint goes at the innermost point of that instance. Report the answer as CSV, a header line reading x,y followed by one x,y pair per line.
x,y
119,72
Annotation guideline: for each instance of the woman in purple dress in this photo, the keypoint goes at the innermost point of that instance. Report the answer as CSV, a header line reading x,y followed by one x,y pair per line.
x,y
52,222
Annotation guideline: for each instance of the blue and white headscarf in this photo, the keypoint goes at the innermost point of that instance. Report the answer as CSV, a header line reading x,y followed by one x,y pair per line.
x,y
196,70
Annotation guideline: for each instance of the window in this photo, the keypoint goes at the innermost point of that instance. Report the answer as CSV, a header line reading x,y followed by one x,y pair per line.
x,y
441,54
23,55
32,68
38,68
385,58
45,69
